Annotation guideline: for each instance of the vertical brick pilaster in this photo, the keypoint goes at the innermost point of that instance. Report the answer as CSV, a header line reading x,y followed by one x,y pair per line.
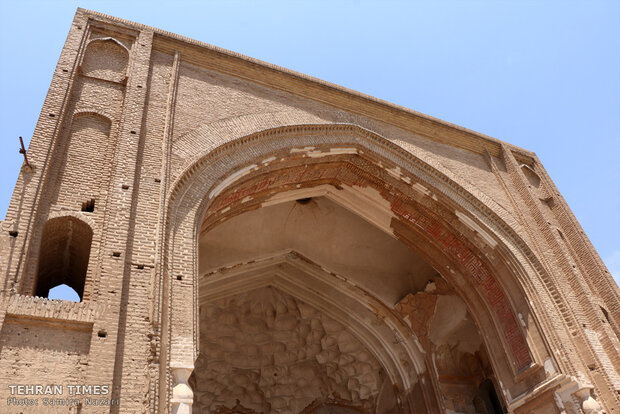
x,y
581,316
118,276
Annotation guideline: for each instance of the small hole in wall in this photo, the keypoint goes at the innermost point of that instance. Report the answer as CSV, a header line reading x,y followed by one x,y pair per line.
x,y
52,115
79,27
592,367
132,132
125,187
140,267
13,233
89,206
157,180
102,333
139,86
116,254
65,70
179,277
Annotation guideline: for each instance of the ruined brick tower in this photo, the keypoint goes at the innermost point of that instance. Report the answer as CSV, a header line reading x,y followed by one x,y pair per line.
x,y
247,239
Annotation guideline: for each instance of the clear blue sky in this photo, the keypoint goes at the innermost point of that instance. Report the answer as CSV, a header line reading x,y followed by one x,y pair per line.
x,y
543,75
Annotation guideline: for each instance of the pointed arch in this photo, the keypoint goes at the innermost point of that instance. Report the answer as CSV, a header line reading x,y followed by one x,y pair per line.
x,y
105,58
458,229
63,255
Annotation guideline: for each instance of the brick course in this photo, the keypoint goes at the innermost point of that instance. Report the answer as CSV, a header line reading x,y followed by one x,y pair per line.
x,y
171,137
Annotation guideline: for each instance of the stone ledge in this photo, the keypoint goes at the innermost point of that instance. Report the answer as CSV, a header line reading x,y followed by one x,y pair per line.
x,y
21,307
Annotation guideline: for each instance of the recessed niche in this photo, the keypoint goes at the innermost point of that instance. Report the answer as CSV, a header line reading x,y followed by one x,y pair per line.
x,y
107,59
531,176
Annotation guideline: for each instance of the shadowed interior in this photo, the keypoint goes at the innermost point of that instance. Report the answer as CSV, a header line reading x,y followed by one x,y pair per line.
x,y
263,350
65,250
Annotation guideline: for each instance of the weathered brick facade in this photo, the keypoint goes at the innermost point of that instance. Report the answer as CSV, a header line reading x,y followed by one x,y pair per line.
x,y
248,239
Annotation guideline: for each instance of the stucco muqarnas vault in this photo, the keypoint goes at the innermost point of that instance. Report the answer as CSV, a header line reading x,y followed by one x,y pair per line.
x,y
248,239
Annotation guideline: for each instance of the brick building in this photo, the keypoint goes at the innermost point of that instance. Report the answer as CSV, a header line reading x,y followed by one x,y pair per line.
x,y
244,238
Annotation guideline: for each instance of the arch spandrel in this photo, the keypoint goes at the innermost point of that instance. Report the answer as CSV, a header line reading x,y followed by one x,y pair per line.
x,y
203,183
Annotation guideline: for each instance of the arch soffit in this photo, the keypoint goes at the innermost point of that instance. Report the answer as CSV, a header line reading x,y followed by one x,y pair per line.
x,y
380,328
489,215
80,220
223,137
78,215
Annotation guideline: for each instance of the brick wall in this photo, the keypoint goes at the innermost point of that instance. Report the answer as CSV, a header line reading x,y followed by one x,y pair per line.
x,y
146,123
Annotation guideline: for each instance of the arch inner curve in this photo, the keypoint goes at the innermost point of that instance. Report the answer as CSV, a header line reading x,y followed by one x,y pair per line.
x,y
250,213
280,334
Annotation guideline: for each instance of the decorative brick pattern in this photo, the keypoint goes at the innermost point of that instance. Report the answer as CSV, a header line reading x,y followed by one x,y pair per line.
x,y
338,174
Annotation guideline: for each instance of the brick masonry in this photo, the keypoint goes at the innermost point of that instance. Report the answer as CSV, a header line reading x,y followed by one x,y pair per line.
x,y
147,140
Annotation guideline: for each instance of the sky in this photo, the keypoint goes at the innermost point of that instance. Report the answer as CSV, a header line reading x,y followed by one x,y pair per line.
x,y
542,75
